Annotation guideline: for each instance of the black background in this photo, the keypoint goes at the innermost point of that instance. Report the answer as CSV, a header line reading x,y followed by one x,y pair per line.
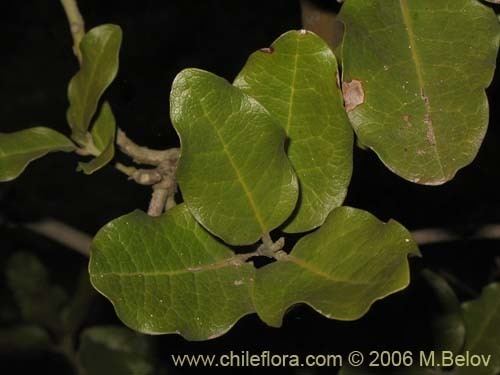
x,y
160,39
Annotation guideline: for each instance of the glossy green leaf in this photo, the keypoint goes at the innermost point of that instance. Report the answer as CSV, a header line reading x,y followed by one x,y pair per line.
x,y
340,270
233,171
100,48
103,137
482,322
108,350
18,149
168,275
29,282
296,80
414,74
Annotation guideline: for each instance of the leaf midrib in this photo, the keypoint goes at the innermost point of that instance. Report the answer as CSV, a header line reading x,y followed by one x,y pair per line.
x,y
307,266
419,71
92,74
228,262
292,88
240,179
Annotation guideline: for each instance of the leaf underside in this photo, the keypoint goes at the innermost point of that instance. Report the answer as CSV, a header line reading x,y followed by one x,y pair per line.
x,y
296,80
233,171
168,275
340,270
419,69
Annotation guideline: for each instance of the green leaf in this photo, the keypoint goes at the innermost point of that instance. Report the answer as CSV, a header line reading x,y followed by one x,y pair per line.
x,y
340,270
233,171
295,80
103,137
18,149
414,74
29,282
115,350
168,275
482,322
100,48
446,321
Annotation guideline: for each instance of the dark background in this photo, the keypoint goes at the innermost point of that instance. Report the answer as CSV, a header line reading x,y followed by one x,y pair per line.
x,y
160,39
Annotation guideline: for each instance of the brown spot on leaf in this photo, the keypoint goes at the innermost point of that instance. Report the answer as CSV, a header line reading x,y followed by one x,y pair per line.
x,y
406,119
267,50
431,137
353,94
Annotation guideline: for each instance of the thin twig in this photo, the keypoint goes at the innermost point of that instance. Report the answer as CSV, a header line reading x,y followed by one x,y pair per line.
x,y
158,202
269,248
433,235
144,155
162,177
76,25
125,169
430,236
164,191
63,234
141,176
490,231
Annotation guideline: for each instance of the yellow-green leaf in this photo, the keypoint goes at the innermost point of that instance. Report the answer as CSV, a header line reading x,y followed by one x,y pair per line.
x,y
414,74
103,137
340,270
20,148
167,274
233,171
100,48
297,81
